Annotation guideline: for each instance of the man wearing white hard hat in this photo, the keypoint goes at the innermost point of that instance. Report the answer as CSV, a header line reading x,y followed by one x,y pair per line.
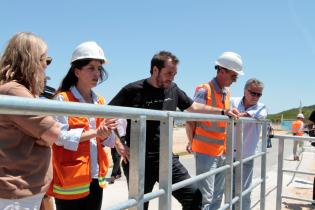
x,y
208,139
297,130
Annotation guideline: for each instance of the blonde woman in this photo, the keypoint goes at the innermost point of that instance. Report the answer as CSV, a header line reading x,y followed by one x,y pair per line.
x,y
25,153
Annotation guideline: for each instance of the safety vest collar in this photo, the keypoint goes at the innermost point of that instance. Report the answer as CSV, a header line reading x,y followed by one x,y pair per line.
x,y
76,94
223,91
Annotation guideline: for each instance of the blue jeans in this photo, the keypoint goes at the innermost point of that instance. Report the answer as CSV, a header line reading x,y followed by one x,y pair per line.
x,y
212,187
247,182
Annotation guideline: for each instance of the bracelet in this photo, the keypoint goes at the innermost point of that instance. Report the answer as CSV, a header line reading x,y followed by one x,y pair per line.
x,y
222,112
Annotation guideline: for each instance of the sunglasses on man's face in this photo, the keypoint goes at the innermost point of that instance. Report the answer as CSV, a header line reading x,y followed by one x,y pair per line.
x,y
252,93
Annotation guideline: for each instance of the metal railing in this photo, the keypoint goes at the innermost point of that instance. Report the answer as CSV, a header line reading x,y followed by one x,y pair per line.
x,y
281,170
138,117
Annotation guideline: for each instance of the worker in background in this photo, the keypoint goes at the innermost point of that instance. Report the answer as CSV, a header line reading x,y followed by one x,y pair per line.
x,y
208,139
116,158
248,106
270,133
297,130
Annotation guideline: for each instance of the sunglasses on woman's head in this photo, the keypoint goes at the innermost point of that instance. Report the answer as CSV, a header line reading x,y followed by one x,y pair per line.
x,y
47,59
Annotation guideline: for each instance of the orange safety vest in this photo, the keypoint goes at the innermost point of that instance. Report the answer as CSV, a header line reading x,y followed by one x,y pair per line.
x,y
296,125
210,137
71,169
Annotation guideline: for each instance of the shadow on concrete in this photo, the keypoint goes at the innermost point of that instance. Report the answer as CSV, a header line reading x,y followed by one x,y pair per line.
x,y
289,159
298,206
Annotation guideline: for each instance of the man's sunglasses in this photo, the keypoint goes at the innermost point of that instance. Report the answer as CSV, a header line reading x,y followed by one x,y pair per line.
x,y
252,93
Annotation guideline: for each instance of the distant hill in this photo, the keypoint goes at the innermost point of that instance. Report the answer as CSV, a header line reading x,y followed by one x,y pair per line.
x,y
291,113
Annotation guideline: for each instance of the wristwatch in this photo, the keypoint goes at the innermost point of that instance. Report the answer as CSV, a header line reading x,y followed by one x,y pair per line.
x,y
222,112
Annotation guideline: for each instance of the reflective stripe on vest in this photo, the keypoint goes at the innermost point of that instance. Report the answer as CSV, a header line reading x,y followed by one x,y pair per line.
x,y
102,182
73,190
213,128
209,140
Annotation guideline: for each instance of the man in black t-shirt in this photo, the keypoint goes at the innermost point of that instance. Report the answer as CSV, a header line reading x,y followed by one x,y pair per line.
x,y
158,92
312,119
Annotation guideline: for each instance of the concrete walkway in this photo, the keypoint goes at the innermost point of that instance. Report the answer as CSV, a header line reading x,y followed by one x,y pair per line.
x,y
297,186
294,185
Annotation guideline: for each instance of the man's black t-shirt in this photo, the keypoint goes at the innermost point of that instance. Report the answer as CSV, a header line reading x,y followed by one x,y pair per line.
x,y
141,94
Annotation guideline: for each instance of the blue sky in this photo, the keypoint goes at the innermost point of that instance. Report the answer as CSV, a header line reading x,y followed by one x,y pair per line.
x,y
274,38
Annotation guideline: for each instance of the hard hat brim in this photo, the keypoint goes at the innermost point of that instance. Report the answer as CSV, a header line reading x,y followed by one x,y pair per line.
x,y
104,61
238,72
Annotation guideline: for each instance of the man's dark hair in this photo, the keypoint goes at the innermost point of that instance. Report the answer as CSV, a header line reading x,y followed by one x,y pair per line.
x,y
312,116
311,132
159,59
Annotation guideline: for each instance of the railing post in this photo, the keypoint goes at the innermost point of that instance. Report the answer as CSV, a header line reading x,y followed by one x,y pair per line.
x,y
239,169
137,161
263,166
165,168
280,173
229,161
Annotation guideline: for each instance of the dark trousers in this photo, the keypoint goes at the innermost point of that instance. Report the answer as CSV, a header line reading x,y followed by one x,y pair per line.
x,y
116,163
91,202
189,196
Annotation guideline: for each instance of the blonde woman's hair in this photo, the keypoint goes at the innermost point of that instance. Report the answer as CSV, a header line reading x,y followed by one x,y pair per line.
x,y
21,62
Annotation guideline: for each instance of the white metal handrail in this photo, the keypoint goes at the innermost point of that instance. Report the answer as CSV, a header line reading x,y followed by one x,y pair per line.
x,y
28,106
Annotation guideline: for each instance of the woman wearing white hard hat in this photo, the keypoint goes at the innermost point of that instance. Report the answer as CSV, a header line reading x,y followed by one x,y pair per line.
x,y
79,158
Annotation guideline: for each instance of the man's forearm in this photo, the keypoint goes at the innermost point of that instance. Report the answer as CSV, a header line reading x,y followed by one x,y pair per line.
x,y
203,108
190,129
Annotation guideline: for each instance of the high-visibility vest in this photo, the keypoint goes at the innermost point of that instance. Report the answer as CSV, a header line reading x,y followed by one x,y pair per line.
x,y
296,125
210,137
71,169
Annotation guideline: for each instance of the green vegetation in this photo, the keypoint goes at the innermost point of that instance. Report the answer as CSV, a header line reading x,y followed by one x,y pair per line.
x,y
291,113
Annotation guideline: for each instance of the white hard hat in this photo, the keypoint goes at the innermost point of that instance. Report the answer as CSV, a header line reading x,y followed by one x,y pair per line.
x,y
300,116
231,61
88,50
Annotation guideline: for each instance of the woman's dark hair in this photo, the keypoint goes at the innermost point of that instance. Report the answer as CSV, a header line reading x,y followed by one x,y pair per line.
x,y
71,79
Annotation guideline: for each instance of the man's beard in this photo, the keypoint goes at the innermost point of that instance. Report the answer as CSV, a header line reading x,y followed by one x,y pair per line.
x,y
162,84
